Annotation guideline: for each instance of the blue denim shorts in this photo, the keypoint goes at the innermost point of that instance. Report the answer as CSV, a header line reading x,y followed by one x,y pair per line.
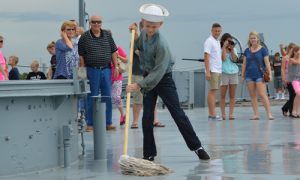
x,y
254,80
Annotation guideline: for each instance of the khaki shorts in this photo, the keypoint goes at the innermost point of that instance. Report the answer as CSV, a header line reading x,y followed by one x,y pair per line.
x,y
228,79
137,96
215,80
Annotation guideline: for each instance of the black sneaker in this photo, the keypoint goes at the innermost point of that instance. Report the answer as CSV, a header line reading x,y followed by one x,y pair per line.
x,y
202,154
149,158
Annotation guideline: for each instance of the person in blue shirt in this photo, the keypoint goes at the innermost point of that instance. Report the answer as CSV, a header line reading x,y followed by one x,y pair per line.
x,y
67,57
256,57
157,62
14,72
229,77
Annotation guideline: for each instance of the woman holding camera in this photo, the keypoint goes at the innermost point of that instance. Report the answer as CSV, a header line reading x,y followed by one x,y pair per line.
x,y
256,59
229,74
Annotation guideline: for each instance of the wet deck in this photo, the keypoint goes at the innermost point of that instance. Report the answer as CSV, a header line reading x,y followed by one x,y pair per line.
x,y
240,149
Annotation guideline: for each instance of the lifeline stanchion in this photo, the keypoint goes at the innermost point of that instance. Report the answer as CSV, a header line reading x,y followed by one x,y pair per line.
x,y
99,126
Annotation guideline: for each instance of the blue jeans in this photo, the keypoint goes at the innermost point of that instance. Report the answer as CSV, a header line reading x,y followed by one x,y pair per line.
x,y
100,83
166,90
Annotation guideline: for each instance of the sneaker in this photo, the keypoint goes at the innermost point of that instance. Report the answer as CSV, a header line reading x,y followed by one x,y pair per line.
x,y
110,127
148,158
122,120
202,154
215,118
277,96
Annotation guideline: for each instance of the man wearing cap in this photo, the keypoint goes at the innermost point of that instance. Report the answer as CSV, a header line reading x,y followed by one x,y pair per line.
x,y
157,61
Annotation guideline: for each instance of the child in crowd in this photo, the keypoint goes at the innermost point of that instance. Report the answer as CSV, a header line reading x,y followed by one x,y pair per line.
x,y
14,72
52,68
35,74
277,77
287,73
117,85
295,62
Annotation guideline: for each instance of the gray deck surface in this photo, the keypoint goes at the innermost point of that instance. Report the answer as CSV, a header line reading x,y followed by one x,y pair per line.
x,y
240,149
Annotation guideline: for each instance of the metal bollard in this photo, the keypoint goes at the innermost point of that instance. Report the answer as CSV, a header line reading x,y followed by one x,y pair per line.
x,y
66,141
99,123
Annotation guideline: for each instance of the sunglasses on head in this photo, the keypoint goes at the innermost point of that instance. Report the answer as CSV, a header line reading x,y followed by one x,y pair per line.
x,y
96,22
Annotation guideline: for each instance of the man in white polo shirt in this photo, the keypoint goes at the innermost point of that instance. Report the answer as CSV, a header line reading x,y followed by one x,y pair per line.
x,y
213,68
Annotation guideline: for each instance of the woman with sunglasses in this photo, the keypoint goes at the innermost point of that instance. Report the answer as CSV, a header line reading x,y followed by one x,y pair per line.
x,y
229,78
67,57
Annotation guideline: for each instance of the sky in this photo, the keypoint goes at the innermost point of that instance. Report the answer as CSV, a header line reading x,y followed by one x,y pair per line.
x,y
28,26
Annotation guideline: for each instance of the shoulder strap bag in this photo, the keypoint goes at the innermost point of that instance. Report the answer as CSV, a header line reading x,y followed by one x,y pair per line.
x,y
266,74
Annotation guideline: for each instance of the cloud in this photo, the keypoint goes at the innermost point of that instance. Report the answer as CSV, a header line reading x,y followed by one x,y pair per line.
x,y
234,17
31,16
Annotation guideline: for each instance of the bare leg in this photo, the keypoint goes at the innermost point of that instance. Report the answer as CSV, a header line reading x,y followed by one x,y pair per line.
x,y
156,122
211,102
136,113
155,115
222,101
261,89
296,105
121,110
232,89
252,93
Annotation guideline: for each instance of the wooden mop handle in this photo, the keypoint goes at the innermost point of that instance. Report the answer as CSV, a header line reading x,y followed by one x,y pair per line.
x,y
128,96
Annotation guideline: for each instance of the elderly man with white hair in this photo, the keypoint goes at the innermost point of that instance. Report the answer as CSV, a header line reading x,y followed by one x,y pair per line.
x,y
97,50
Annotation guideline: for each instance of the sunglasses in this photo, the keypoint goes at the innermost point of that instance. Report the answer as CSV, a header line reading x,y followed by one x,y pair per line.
x,y
1,41
70,29
96,22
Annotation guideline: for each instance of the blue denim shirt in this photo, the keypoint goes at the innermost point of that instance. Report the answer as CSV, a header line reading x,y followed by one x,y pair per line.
x,y
155,58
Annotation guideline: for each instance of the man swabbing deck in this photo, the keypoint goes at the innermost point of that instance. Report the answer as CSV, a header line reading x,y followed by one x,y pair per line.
x,y
157,61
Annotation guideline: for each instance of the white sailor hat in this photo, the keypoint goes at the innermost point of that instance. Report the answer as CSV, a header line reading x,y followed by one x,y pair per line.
x,y
153,12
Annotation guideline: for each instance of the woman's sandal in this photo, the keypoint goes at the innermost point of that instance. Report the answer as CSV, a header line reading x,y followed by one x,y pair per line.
x,y
134,126
254,118
232,118
284,113
294,116
158,124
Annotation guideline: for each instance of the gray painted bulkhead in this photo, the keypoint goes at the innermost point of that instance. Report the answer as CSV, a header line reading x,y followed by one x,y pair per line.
x,y
32,116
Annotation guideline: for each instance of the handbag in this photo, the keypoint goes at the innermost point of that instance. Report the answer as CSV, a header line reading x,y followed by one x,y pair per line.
x,y
122,66
266,74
